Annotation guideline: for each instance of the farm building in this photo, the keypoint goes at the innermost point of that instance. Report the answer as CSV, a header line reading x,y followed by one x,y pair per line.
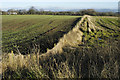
x,y
12,13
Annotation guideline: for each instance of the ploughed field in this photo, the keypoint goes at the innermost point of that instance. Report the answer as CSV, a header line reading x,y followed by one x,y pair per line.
x,y
21,33
88,48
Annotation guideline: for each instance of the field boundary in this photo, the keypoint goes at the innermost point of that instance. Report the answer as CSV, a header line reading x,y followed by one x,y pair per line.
x,y
73,38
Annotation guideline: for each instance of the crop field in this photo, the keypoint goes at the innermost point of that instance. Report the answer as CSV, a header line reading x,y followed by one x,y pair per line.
x,y
86,47
23,32
100,29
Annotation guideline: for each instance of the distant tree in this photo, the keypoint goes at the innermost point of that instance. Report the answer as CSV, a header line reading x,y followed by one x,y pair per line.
x,y
11,10
22,11
111,14
91,12
40,11
4,13
87,12
32,10
0,12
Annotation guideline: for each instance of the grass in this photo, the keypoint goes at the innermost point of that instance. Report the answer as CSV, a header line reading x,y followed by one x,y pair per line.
x,y
96,62
28,30
96,56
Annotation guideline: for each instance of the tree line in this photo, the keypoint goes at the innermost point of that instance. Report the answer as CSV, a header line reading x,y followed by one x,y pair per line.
x,y
33,11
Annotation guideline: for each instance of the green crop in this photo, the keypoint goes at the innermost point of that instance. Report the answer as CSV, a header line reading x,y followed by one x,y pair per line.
x,y
26,30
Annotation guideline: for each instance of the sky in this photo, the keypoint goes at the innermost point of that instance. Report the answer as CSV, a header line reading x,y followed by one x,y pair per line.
x,y
59,0
61,4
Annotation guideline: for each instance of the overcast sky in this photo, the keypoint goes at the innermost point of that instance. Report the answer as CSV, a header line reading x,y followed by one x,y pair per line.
x,y
59,0
65,4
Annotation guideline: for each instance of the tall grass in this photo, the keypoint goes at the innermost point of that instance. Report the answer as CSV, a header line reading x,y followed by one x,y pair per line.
x,y
78,62
92,58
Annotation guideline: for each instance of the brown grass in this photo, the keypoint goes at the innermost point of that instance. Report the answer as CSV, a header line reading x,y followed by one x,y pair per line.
x,y
67,59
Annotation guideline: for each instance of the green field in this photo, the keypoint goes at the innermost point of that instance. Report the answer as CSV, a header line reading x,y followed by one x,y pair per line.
x,y
24,31
90,47
100,29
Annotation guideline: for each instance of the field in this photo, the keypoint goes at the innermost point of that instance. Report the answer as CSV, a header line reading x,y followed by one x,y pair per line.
x,y
89,48
24,32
